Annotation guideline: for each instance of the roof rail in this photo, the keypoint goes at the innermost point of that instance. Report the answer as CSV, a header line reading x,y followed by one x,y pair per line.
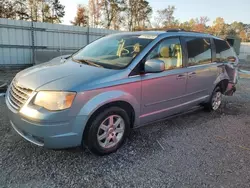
x,y
175,30
182,30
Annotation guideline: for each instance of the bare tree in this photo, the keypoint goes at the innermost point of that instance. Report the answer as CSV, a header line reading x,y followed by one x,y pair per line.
x,y
138,14
46,12
95,12
33,6
200,24
165,17
202,20
21,10
111,10
117,21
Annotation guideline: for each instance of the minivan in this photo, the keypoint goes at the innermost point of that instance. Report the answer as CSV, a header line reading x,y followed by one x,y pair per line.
x,y
94,97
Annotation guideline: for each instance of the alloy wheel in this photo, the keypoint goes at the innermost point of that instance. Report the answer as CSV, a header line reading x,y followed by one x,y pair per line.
x,y
216,101
111,131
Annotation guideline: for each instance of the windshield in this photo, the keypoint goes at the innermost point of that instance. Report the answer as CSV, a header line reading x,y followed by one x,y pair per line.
x,y
114,52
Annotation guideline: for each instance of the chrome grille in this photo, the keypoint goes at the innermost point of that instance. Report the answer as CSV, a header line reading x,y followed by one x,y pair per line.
x,y
18,95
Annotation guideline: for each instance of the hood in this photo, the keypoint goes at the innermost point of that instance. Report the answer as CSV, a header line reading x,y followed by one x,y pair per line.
x,y
66,75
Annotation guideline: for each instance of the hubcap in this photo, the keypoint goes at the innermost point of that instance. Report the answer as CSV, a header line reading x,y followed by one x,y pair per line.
x,y
111,131
216,101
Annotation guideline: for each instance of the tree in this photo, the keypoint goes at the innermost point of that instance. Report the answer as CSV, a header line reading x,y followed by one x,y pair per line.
x,y
192,24
36,10
118,20
21,10
7,9
186,26
81,18
95,12
34,6
57,11
111,8
138,14
243,36
218,27
165,16
235,29
46,13
142,18
200,24
229,31
237,26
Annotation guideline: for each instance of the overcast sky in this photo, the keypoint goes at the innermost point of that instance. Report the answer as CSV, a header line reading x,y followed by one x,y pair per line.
x,y
230,10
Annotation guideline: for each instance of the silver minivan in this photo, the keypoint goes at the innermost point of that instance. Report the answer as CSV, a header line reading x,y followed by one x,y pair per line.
x,y
94,97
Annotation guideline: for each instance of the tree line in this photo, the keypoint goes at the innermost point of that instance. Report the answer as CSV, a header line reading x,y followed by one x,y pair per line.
x,y
114,14
51,11
136,15
131,15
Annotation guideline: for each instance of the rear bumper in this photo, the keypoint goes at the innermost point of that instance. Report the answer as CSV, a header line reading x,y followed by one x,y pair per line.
x,y
50,135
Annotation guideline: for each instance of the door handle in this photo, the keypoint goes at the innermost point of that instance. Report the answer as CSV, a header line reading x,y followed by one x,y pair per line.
x,y
180,76
191,74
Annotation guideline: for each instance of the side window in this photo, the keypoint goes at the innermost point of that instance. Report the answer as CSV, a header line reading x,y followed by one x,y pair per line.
x,y
223,50
199,51
169,51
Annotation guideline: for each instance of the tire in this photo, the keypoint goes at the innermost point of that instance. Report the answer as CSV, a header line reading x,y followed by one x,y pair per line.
x,y
215,100
103,137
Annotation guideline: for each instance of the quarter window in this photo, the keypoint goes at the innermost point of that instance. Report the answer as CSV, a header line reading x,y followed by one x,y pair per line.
x,y
223,50
169,51
199,51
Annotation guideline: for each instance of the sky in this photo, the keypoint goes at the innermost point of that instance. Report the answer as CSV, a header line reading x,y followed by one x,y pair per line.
x,y
230,10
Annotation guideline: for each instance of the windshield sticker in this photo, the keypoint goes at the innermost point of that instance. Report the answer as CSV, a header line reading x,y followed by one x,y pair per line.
x,y
147,37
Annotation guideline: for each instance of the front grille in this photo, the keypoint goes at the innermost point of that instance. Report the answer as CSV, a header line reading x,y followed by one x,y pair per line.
x,y
18,95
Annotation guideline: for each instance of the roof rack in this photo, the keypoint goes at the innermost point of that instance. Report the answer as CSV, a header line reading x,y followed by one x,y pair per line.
x,y
175,30
182,30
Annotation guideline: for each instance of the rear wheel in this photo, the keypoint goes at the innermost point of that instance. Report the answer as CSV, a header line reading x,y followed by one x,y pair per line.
x,y
108,131
215,100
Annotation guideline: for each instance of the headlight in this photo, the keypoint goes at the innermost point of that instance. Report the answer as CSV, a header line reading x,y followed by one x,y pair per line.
x,y
54,100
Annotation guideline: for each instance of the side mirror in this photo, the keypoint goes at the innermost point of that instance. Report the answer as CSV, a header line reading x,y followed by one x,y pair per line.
x,y
154,66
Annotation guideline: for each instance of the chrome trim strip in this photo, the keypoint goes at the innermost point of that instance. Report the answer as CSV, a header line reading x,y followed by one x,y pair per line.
x,y
19,93
22,90
15,96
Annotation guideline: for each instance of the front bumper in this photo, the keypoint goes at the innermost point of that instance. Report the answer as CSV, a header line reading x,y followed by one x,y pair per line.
x,y
54,135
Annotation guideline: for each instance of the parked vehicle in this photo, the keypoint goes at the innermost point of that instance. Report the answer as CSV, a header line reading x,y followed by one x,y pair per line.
x,y
97,95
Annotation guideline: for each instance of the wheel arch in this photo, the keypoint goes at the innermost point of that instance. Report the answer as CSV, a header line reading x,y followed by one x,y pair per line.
x,y
223,85
108,99
122,104
102,100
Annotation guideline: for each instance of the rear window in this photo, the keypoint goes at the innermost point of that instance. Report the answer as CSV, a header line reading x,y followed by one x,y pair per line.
x,y
223,50
199,51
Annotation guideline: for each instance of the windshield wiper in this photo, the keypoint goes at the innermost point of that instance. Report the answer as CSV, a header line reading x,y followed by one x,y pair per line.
x,y
87,62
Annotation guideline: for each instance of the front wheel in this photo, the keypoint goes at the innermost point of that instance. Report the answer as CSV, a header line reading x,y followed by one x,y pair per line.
x,y
215,100
108,131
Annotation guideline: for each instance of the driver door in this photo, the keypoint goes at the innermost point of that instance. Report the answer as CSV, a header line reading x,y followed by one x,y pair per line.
x,y
162,92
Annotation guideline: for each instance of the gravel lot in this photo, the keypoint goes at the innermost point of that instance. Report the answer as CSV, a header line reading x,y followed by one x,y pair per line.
x,y
198,149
